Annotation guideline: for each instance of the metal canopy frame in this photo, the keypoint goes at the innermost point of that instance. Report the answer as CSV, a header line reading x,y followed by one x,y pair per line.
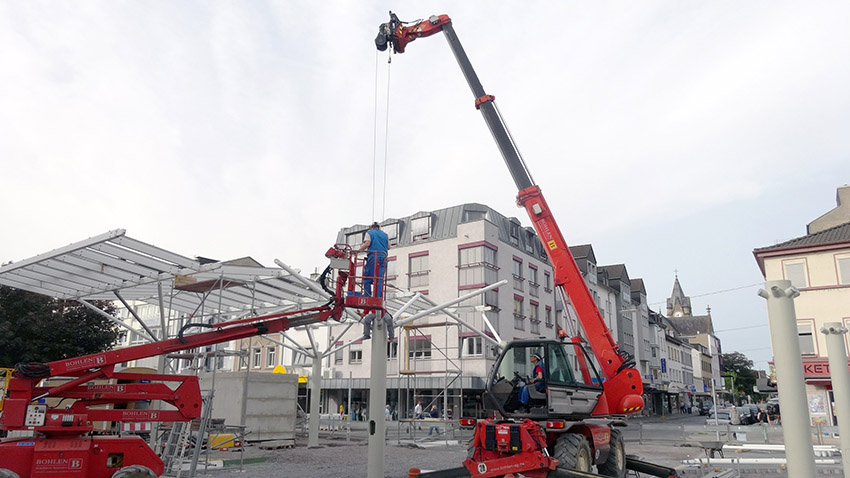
x,y
113,266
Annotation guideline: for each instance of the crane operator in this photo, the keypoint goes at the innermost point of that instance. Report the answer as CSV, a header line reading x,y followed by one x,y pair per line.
x,y
538,379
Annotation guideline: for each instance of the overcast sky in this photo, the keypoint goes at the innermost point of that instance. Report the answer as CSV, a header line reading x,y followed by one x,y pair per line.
x,y
670,135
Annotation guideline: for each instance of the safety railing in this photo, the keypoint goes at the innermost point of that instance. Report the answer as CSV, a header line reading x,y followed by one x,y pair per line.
x,y
367,285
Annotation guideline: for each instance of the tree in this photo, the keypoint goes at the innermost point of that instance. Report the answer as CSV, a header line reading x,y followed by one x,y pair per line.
x,y
739,366
37,328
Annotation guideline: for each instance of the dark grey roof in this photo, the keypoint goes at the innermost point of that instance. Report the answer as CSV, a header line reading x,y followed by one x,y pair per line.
x,y
617,272
637,285
834,235
693,325
583,254
583,251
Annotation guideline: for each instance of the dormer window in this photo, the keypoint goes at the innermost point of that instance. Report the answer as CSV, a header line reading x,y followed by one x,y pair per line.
x,y
355,238
392,233
420,228
514,233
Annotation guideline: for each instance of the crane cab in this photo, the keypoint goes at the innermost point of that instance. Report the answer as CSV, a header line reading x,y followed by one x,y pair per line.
x,y
571,389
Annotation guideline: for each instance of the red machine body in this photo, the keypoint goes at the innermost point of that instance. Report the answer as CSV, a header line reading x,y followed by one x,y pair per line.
x,y
63,445
503,447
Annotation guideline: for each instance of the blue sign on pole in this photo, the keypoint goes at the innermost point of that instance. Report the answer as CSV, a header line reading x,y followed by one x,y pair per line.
x,y
663,365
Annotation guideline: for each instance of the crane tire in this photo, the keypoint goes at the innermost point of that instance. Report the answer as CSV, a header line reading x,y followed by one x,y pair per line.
x,y
615,464
134,471
4,473
573,452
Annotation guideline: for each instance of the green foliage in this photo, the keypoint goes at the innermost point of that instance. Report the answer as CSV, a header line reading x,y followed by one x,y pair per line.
x,y
739,366
37,328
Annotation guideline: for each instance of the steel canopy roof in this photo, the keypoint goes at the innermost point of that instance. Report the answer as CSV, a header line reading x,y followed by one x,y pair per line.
x,y
112,264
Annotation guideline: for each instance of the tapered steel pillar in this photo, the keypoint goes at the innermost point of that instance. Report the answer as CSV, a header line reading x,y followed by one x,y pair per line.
x,y
793,403
315,394
377,399
840,374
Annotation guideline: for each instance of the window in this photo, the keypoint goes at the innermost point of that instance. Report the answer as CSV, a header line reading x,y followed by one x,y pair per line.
x,y
392,274
532,274
243,358
517,273
478,255
514,233
392,349
392,233
518,317
843,270
533,285
533,317
355,355
338,354
420,348
355,238
796,273
806,338
469,216
529,242
271,356
257,357
476,266
548,316
474,346
547,282
418,271
420,228
476,276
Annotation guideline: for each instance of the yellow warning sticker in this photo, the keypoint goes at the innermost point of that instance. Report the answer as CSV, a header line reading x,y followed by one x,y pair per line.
x,y
552,245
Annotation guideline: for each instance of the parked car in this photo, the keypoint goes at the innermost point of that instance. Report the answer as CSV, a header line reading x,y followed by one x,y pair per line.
x,y
705,408
724,417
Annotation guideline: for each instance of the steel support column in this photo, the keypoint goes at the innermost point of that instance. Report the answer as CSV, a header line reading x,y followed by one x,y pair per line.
x,y
796,425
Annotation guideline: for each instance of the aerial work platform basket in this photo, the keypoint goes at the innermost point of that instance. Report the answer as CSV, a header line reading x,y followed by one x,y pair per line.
x,y
366,286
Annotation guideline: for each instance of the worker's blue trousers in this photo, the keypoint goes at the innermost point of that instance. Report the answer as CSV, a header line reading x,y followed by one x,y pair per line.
x,y
369,273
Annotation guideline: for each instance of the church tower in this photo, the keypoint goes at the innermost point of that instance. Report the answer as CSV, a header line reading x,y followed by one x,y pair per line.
x,y
678,305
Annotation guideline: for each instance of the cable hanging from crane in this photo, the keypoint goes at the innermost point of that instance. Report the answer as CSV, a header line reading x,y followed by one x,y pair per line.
x,y
375,143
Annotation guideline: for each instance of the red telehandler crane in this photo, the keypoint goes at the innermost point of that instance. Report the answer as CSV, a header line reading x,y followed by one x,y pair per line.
x,y
567,429
63,444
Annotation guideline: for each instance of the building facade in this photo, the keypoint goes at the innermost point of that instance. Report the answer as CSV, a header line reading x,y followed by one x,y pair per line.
x,y
818,265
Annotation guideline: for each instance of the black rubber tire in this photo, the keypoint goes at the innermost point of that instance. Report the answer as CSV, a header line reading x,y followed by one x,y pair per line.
x,y
4,473
615,464
134,471
573,452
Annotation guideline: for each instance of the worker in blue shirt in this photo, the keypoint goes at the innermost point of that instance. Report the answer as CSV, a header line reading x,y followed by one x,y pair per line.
x,y
376,243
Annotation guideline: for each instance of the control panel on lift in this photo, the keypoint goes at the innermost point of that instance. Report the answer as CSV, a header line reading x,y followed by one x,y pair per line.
x,y
35,415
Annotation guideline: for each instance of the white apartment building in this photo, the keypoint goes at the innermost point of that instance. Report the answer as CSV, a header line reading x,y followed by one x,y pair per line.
x,y
444,254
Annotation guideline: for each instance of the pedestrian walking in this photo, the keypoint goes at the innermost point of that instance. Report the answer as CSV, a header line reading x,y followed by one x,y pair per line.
x,y
434,414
